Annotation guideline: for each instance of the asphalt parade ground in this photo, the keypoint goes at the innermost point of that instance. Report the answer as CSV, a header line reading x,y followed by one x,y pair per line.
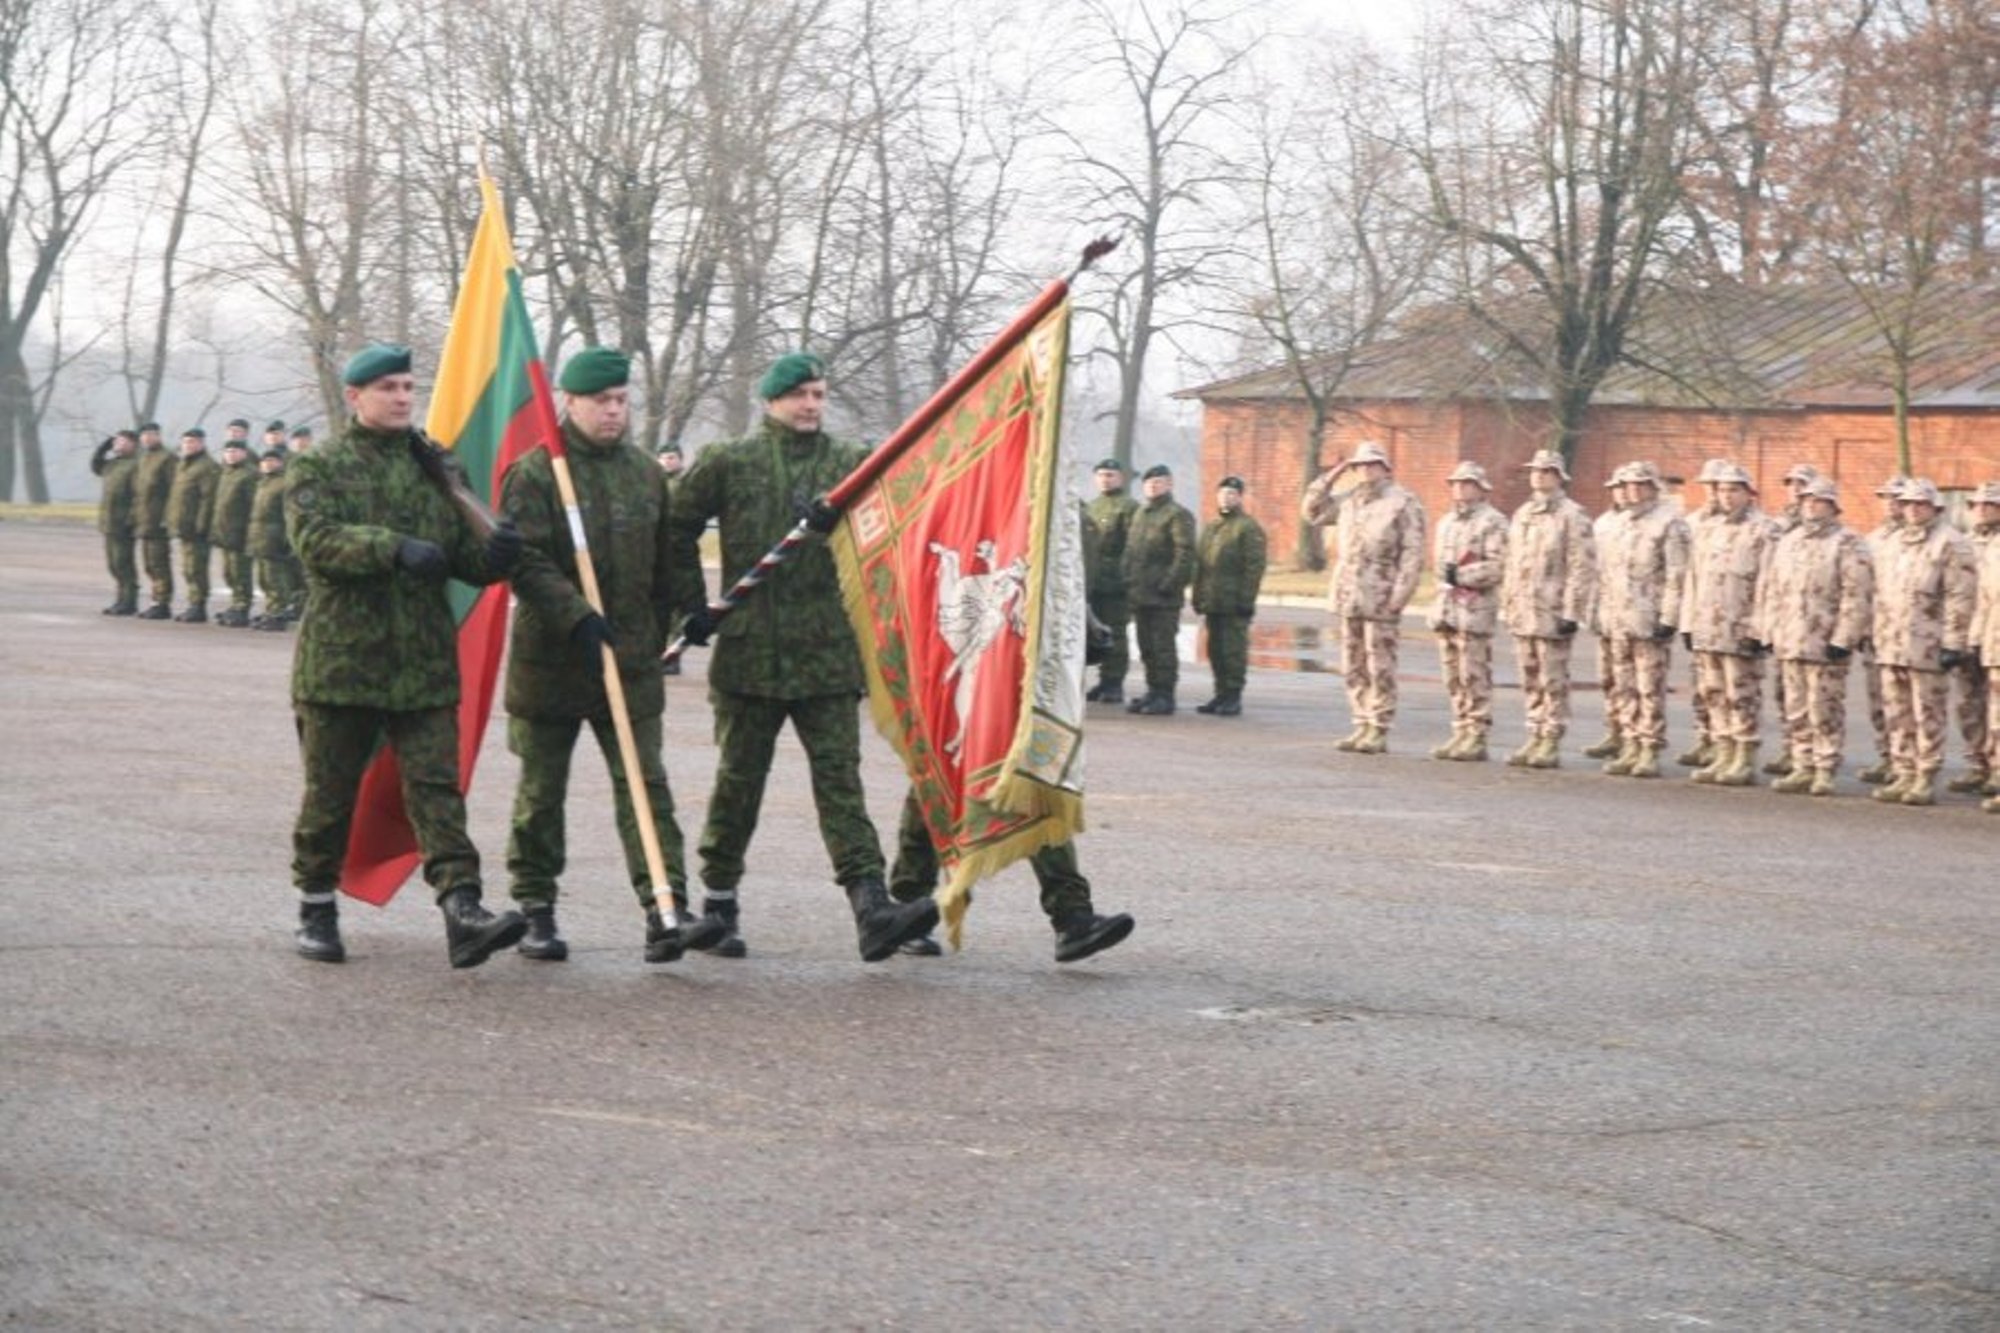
x,y
1397,1044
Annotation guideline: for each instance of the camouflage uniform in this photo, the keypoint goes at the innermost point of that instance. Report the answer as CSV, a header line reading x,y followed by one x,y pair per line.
x,y
1378,554
1472,540
117,519
190,511
1229,569
1974,684
154,484
277,568
1871,672
1704,737
1065,892
787,653
1983,636
1818,595
229,530
1719,614
1547,592
377,656
1925,586
1610,679
1643,565
1159,561
555,685
1109,517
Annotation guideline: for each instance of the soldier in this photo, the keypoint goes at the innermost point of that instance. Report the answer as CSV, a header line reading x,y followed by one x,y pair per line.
x,y
1545,596
1972,676
1925,587
190,513
277,568
1702,752
1229,569
787,654
1984,637
1109,519
274,437
1377,558
1644,564
1469,556
1725,567
299,441
1815,607
229,529
377,656
116,462
1796,479
1158,562
672,464
1614,686
1890,493
155,483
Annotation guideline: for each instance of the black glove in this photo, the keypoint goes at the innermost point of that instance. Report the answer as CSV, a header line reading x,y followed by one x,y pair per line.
x,y
697,628
424,560
1951,659
1687,639
1096,640
1665,633
1836,653
1755,647
1451,575
1565,628
503,548
593,635
820,516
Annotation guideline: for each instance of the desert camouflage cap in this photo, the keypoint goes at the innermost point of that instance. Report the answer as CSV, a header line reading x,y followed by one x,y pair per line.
x,y
1711,471
1801,472
1921,490
1369,452
1987,494
1821,488
1547,460
1733,474
1892,489
1468,470
1641,473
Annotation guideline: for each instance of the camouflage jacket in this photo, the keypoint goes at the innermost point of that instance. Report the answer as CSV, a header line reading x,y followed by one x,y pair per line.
x,y
155,483
1475,540
1642,563
267,517
229,519
1725,567
1110,518
790,639
118,504
1984,633
1925,587
1229,566
1819,590
1551,568
1159,553
623,498
1378,546
374,636
191,502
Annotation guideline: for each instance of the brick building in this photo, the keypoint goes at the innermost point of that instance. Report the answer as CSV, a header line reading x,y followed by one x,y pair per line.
x,y
1767,377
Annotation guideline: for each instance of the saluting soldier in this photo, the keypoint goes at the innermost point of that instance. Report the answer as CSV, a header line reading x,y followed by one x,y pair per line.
x,y
229,529
191,514
787,654
1108,518
1158,564
1973,675
377,656
1643,565
1470,557
1926,584
1984,637
1550,586
116,463
1816,605
1726,565
277,568
1229,569
154,484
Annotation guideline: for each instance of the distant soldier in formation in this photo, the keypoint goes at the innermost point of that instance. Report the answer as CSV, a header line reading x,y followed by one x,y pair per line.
x,y
299,441
1726,565
229,529
116,463
277,571
1926,585
1550,586
1890,493
1974,675
1816,606
1614,685
1378,556
274,437
1796,479
1109,517
673,463
1701,753
190,515
1468,558
1984,637
1229,569
1642,568
1158,564
155,483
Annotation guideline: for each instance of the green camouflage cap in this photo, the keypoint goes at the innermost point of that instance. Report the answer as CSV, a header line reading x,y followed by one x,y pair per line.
x,y
595,369
374,361
788,372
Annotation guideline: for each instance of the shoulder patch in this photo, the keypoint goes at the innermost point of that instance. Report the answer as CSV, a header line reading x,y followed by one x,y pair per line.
x,y
304,496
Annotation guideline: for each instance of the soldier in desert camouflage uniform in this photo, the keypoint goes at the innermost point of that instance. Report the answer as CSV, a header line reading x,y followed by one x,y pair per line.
x,y
1378,556
1890,494
1719,609
1974,676
1815,605
1469,556
1925,587
1614,686
1546,595
1796,479
1701,753
1984,637
1642,565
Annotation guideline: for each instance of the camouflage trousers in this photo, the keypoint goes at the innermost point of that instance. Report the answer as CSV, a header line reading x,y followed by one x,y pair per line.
x,y
336,744
1157,651
1466,662
157,551
1544,667
1734,688
1814,712
1368,656
1065,892
121,557
1116,614
537,845
1972,686
1871,676
1916,707
1702,734
1635,691
746,734
283,584
1229,652
194,572
236,572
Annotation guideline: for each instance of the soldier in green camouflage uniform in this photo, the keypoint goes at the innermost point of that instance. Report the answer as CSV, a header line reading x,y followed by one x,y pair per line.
x,y
190,514
378,653
555,673
1159,561
229,529
1108,521
787,654
115,462
1228,571
154,484
277,568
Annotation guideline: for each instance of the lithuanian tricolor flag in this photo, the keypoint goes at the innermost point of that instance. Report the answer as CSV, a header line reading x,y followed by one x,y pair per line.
x,y
484,409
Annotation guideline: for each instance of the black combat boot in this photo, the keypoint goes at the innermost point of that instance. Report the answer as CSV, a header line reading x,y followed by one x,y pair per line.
x,y
664,943
1081,934
697,932
1229,705
1154,705
157,611
727,943
471,933
122,607
542,942
922,946
318,934
882,924
194,615
272,624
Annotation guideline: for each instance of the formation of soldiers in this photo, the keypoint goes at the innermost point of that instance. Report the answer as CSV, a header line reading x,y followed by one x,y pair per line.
x,y
153,498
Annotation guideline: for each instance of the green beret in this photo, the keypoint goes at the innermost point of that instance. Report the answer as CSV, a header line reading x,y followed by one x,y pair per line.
x,y
149,425
374,361
243,422
1157,470
1229,484
301,433
595,369
1110,465
195,431
788,372
275,425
